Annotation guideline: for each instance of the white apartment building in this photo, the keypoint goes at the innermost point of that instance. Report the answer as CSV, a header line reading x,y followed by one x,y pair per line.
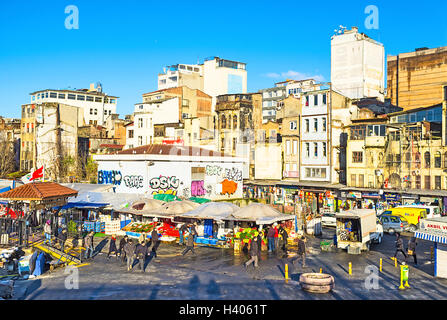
x,y
270,98
215,77
146,115
96,105
357,65
315,128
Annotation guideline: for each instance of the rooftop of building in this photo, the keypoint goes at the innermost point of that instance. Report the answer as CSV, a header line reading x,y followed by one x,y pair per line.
x,y
417,52
38,191
78,91
173,150
414,110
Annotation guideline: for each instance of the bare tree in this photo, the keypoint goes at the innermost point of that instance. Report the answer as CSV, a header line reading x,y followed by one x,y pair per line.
x,y
7,160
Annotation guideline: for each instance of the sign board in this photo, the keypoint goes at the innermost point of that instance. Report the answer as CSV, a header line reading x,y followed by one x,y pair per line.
x,y
433,227
355,195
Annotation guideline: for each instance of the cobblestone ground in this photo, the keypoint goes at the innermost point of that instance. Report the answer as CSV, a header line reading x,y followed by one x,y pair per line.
x,y
219,274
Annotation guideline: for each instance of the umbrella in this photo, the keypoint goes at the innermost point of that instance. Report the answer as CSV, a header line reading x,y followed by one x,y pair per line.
x,y
177,207
145,205
260,213
212,210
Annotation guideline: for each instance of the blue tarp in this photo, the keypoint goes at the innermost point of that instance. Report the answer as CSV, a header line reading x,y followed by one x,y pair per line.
x,y
40,264
208,228
5,189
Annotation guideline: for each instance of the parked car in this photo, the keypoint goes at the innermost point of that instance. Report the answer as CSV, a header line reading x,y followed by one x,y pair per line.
x,y
392,224
328,220
410,215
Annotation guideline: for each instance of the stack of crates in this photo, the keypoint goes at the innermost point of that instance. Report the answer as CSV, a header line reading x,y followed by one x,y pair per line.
x,y
112,227
100,226
89,226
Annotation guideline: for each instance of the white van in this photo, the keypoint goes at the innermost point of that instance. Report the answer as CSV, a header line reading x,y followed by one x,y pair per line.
x,y
432,211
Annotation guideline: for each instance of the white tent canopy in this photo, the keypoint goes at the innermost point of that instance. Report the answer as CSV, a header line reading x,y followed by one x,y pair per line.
x,y
144,206
260,213
212,210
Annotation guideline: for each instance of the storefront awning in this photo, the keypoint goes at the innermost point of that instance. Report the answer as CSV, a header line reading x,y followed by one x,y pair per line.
x,y
431,237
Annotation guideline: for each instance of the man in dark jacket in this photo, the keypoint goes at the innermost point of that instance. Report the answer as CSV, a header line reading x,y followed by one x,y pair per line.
x,y
155,241
189,244
253,253
259,243
301,254
215,229
123,242
182,231
399,246
412,249
194,231
283,233
141,253
62,238
129,248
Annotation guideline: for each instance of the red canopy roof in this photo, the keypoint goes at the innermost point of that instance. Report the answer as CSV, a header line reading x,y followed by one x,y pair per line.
x,y
38,191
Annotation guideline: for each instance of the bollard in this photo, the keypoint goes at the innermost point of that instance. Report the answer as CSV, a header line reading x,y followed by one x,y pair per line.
x,y
395,262
431,253
380,265
350,268
404,271
321,270
286,271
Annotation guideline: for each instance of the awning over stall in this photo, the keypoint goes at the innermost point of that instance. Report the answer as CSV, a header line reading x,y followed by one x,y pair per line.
x,y
212,210
430,236
260,213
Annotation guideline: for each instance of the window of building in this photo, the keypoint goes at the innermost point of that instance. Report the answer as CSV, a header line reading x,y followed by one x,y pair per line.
x,y
316,100
358,132
307,149
445,160
287,147
324,98
307,125
223,122
438,182
96,112
140,140
130,133
53,95
295,147
98,99
315,124
292,125
353,180
438,159
89,98
140,122
427,159
357,156
105,112
234,121
71,96
307,101
418,182
324,124
222,145
427,182
234,144
361,181
324,149
61,96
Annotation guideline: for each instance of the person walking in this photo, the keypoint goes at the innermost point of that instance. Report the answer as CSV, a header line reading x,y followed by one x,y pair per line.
x,y
189,244
412,249
254,254
271,239
112,247
155,241
301,253
215,229
399,246
284,236
194,231
130,249
63,238
47,231
275,226
88,242
121,251
141,253
182,230
259,243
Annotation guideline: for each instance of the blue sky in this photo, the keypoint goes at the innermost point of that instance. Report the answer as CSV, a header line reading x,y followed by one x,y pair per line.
x,y
125,44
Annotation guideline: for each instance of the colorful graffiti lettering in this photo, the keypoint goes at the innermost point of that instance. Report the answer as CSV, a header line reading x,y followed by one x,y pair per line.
x,y
186,192
213,170
173,192
134,181
228,187
209,189
164,183
197,188
109,177
233,174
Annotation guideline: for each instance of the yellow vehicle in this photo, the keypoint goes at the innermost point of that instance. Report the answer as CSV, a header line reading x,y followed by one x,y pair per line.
x,y
411,215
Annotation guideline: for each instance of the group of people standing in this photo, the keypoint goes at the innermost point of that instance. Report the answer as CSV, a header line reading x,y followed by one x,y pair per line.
x,y
188,231
129,250
277,238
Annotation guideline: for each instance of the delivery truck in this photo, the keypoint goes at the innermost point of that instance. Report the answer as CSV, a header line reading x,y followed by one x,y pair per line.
x,y
357,230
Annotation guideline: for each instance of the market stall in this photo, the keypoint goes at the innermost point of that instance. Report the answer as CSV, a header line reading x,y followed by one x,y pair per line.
x,y
435,230
208,213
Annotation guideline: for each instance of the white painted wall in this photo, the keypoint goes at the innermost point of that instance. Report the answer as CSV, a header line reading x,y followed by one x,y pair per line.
x,y
137,176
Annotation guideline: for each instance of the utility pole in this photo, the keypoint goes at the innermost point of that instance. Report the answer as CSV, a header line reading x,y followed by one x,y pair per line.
x,y
58,144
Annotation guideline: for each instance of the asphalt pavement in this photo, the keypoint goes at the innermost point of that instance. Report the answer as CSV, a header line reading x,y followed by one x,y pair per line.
x,y
219,274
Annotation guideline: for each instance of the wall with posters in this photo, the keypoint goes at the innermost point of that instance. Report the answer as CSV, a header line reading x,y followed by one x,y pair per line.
x,y
212,180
